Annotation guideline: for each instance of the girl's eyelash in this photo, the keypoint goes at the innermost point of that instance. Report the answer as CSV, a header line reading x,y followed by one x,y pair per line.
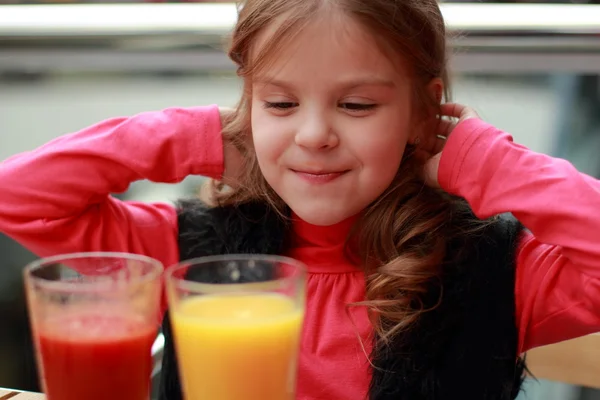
x,y
357,106
286,105
280,105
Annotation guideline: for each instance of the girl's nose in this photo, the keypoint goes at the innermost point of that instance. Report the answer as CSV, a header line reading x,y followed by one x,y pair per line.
x,y
316,133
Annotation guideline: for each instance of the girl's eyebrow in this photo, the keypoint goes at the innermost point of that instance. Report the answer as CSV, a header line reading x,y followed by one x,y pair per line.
x,y
348,84
367,81
265,80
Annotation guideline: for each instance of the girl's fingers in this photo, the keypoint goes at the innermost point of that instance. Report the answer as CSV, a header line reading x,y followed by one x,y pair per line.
x,y
455,110
451,114
445,127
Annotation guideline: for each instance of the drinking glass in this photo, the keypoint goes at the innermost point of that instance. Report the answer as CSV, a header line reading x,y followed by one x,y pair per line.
x,y
236,322
94,318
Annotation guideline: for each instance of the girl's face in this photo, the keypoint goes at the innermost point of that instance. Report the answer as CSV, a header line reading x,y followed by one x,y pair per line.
x,y
330,120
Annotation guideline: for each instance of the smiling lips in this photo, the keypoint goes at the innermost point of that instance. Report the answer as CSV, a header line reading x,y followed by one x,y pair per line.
x,y
319,177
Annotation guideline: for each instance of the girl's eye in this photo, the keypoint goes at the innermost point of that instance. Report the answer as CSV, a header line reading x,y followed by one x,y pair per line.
x,y
280,105
353,107
288,105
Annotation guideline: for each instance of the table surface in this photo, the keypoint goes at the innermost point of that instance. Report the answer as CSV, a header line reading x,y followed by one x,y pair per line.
x,y
6,394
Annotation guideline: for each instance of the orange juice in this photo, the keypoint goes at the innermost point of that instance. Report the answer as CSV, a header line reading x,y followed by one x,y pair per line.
x,y
238,346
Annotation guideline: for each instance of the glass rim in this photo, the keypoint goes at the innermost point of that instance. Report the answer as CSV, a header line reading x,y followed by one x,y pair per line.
x,y
200,287
59,286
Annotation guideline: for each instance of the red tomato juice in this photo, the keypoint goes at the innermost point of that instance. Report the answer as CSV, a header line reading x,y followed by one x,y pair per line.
x,y
96,358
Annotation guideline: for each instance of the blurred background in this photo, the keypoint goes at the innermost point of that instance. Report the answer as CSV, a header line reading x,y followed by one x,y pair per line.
x,y
529,67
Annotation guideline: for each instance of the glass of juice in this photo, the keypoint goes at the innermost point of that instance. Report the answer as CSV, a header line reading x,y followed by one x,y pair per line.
x,y
94,318
236,322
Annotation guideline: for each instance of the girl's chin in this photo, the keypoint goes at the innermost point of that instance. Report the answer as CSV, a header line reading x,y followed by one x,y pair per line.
x,y
324,216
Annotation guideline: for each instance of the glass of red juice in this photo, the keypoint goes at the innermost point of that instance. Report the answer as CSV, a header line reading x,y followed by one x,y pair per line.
x,y
94,318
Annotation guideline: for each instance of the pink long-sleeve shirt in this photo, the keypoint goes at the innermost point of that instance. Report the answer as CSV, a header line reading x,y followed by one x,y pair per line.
x,y
56,199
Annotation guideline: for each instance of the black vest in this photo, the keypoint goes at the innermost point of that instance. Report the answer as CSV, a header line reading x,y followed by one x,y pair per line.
x,y
464,349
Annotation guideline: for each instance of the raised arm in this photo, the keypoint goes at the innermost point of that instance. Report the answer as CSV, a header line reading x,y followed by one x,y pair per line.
x,y
558,262
56,199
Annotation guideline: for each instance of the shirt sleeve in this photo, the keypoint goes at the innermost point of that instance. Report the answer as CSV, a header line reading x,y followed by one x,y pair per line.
x,y
558,260
57,199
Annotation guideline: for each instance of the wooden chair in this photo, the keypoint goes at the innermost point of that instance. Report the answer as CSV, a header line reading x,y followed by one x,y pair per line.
x,y
575,362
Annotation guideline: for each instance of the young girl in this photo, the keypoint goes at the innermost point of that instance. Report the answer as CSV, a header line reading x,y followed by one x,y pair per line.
x,y
334,157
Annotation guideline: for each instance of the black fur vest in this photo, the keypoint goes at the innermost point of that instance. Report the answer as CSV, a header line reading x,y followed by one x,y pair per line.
x,y
465,349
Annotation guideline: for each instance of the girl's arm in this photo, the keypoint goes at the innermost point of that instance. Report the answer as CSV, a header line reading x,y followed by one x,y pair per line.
x,y
56,199
558,261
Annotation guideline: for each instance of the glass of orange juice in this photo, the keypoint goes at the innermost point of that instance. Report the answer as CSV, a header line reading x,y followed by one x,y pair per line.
x,y
236,324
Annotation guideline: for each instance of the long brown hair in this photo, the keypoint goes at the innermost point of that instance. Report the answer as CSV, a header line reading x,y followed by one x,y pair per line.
x,y
402,236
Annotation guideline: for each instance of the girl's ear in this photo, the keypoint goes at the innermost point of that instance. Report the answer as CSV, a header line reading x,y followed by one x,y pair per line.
x,y
435,88
422,135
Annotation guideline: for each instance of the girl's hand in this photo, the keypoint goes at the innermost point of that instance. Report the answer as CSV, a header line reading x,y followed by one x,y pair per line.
x,y
451,115
232,158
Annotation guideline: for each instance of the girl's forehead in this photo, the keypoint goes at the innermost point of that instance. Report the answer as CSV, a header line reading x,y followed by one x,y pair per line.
x,y
337,39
